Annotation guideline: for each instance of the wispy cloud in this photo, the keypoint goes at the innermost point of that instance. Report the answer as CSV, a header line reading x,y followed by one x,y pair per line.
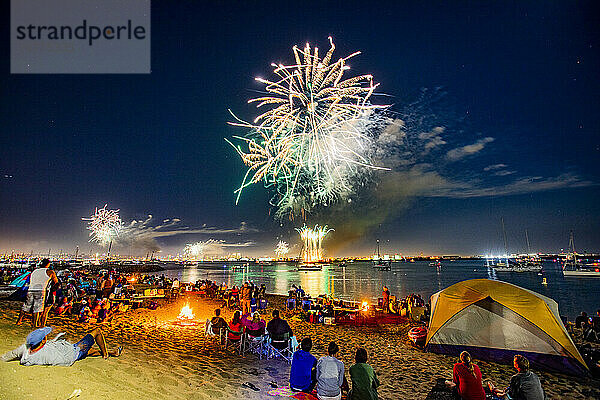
x,y
143,233
494,167
504,173
464,151
522,185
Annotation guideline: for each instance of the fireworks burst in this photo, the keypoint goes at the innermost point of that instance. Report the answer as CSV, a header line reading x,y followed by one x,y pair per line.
x,y
282,249
193,250
313,239
313,143
104,225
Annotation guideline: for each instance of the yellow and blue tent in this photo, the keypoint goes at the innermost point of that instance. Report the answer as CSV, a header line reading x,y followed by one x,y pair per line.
x,y
495,320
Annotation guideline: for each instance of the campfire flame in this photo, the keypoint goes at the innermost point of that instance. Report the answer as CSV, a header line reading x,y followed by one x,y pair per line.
x,y
186,313
364,306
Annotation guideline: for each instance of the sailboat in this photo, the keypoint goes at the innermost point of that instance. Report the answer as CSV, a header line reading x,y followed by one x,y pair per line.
x,y
308,265
512,265
378,263
572,267
529,260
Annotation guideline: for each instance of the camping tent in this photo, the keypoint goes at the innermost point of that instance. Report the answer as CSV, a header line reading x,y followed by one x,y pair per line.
x,y
495,320
21,281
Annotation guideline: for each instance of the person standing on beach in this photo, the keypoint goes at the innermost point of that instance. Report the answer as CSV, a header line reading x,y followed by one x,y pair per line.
x,y
330,375
36,294
39,351
363,377
525,385
386,299
466,378
246,298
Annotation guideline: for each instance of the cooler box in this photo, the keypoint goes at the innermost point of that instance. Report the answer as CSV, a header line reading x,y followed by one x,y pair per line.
x,y
262,304
329,320
291,303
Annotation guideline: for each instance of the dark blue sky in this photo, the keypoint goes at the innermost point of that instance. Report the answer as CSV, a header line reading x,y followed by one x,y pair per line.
x,y
524,74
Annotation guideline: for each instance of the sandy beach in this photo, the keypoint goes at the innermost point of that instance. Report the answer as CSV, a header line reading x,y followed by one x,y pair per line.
x,y
165,361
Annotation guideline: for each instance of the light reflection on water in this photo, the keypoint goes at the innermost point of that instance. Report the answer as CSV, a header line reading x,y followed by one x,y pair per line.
x,y
359,281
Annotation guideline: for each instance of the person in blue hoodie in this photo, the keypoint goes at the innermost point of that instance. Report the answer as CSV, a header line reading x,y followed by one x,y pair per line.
x,y
302,374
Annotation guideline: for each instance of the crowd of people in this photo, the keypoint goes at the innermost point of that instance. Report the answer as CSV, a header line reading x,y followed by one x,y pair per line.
x,y
589,326
88,296
327,376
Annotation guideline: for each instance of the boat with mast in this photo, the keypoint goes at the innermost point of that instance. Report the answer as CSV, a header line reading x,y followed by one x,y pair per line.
x,y
378,263
573,267
529,260
511,265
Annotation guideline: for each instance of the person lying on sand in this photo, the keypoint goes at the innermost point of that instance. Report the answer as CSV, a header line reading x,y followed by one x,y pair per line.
x,y
39,351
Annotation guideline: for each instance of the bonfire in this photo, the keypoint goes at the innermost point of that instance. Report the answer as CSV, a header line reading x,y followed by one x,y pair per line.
x,y
185,317
364,306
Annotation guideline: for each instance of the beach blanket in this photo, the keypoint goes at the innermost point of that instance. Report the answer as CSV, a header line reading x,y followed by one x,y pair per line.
x,y
285,391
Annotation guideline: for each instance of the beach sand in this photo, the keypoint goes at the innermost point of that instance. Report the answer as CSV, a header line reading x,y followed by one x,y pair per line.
x,y
164,361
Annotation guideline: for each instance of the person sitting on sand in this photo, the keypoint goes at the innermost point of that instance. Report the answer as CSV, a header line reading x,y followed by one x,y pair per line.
x,y
582,321
64,307
39,351
277,329
235,329
363,377
330,375
466,379
525,385
303,372
254,327
85,314
592,334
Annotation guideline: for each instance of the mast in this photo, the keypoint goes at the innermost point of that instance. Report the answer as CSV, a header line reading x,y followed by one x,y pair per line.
x,y
505,240
528,247
572,248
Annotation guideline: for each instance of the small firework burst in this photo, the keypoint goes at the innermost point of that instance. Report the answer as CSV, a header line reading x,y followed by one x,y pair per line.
x,y
104,225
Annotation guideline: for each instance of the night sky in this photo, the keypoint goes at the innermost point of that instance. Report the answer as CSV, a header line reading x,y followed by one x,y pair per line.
x,y
513,86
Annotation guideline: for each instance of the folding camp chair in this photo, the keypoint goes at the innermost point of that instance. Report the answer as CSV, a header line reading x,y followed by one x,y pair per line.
x,y
254,344
235,344
211,335
281,346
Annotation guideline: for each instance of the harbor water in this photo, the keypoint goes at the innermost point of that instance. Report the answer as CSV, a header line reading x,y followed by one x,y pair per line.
x,y
358,281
